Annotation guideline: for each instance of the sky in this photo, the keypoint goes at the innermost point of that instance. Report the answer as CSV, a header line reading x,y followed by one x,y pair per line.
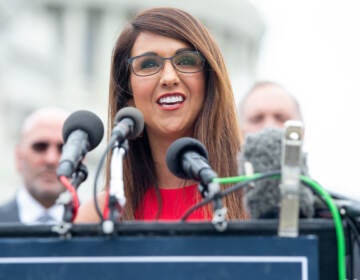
x,y
313,49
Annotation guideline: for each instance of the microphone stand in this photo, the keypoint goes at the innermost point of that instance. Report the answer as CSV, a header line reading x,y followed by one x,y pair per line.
x,y
219,218
117,199
212,190
65,199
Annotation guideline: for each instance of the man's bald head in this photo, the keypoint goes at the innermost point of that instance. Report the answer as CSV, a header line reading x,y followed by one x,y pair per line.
x,y
267,104
43,116
38,153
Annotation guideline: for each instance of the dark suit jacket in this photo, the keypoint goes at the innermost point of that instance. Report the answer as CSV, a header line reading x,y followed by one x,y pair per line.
x,y
9,212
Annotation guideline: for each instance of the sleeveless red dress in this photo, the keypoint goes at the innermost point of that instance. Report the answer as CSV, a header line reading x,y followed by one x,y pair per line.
x,y
175,202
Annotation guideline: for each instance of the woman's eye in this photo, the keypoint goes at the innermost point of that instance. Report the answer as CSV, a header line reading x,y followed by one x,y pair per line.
x,y
186,60
149,63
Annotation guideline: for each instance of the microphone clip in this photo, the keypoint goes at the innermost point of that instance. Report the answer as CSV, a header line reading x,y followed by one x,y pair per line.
x,y
290,179
212,191
79,175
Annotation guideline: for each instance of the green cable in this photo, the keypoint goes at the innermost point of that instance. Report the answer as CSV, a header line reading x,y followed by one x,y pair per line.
x,y
338,224
330,203
237,179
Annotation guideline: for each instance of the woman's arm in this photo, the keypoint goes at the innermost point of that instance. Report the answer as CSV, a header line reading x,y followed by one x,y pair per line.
x,y
87,212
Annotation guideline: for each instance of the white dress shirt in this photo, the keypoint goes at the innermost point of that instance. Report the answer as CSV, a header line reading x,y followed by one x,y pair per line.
x,y
30,210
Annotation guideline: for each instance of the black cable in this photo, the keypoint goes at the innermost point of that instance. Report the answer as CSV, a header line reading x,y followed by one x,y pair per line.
x,y
355,233
351,220
353,228
226,192
195,207
246,183
349,249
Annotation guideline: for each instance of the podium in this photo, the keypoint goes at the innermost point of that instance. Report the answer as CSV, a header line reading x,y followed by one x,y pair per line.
x,y
140,250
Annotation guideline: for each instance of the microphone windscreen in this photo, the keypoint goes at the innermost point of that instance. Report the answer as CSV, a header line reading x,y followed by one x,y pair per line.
x,y
87,122
177,149
135,115
263,150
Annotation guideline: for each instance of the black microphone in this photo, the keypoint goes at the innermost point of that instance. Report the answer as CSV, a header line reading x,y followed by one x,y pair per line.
x,y
187,158
263,150
129,123
82,132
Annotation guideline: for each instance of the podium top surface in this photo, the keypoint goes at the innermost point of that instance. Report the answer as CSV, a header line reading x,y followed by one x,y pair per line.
x,y
252,227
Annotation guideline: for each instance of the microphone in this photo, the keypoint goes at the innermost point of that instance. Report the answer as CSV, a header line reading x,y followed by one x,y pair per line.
x,y
187,158
263,150
129,123
82,132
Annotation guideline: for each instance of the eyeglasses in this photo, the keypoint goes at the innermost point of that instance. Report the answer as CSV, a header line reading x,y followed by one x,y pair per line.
x,y
150,64
41,147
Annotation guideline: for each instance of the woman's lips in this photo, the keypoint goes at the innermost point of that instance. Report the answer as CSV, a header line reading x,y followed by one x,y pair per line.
x,y
171,101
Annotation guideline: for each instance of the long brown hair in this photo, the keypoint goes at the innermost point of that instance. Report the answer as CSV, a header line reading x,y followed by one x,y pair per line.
x,y
217,125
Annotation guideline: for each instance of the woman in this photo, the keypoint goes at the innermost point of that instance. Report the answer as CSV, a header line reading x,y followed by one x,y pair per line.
x,y
166,64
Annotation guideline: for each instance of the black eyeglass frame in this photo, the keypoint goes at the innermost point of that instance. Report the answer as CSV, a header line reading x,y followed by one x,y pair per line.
x,y
171,58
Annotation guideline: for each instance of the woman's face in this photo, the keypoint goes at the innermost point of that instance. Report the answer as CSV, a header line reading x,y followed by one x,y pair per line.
x,y
169,100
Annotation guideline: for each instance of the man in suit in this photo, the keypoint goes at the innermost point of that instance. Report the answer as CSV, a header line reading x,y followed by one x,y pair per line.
x,y
37,154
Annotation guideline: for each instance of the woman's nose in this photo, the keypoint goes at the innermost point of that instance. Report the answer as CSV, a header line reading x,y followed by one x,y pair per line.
x,y
169,75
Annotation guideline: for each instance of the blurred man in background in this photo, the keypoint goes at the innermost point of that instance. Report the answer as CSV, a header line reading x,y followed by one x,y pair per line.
x,y
36,156
267,104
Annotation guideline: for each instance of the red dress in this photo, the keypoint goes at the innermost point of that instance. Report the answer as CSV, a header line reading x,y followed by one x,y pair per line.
x,y
175,202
